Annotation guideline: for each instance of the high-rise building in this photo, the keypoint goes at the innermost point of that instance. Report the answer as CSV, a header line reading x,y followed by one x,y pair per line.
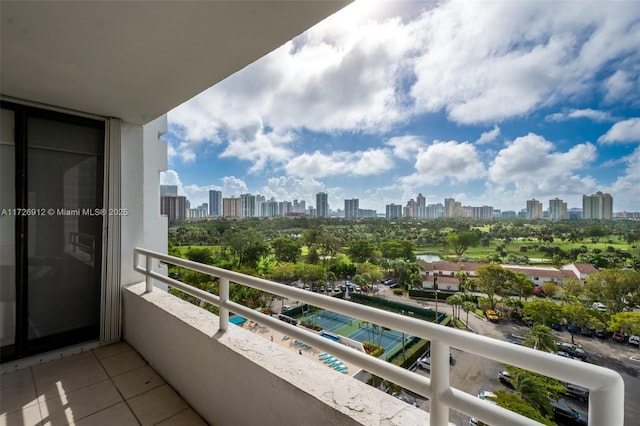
x,y
597,206
421,201
168,190
299,206
248,203
215,203
232,207
453,208
322,205
534,209
394,211
351,208
434,211
557,209
174,206
484,212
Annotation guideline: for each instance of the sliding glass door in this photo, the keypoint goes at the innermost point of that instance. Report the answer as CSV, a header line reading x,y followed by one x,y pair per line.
x,y
52,273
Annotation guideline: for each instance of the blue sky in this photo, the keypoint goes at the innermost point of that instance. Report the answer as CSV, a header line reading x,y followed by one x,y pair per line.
x,y
491,103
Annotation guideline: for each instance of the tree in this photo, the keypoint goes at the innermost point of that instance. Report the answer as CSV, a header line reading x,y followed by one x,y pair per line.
x,y
550,289
455,301
494,280
573,289
627,322
533,392
360,250
460,242
542,312
576,314
514,402
522,286
286,249
200,255
540,337
615,288
246,245
398,249
467,307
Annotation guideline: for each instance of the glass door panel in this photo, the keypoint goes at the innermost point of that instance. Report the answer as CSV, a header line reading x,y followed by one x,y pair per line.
x,y
7,233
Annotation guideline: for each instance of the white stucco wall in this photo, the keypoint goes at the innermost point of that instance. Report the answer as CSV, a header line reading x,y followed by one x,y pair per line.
x,y
242,379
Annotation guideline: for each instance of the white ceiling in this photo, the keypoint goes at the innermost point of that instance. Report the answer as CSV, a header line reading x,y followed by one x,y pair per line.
x,y
137,60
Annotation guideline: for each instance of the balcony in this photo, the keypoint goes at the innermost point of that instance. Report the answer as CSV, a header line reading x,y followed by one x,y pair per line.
x,y
229,375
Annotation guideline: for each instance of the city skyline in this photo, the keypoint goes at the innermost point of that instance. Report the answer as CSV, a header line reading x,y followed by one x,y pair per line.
x,y
385,100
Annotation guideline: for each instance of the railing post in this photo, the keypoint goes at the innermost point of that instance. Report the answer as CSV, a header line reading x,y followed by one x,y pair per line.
x,y
439,411
148,267
224,297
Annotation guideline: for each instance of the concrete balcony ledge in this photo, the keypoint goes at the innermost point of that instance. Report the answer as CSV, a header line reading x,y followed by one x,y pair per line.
x,y
241,378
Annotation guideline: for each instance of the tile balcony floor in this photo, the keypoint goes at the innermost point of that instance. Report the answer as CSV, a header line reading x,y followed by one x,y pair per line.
x,y
111,385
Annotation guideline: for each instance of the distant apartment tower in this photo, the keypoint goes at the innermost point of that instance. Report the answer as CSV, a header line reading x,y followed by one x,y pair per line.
x,y
269,208
435,211
322,205
199,212
575,213
534,209
557,209
174,207
299,206
168,190
232,207
394,211
367,213
597,206
484,212
248,206
351,208
215,203
421,201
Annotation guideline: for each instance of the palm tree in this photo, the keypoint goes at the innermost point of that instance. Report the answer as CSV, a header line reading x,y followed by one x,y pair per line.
x,y
541,338
532,391
455,301
468,306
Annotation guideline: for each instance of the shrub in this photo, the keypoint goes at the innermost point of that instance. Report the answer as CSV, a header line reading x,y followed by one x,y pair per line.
x,y
397,291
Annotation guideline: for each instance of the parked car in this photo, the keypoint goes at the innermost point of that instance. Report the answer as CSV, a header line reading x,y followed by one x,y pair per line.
x,y
573,329
587,332
557,327
491,315
487,395
565,415
634,340
424,363
600,333
576,392
599,307
618,336
505,378
573,350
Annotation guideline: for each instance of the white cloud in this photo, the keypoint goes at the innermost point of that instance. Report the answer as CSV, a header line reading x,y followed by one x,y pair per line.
x,y
626,188
489,136
406,147
453,161
260,149
170,177
531,165
622,132
591,114
360,163
291,188
233,186
619,86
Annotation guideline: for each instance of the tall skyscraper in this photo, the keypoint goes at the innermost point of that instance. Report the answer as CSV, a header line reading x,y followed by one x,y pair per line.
x,y
351,208
322,205
174,206
232,207
534,209
215,203
597,206
557,209
394,211
168,190
248,202
421,201
453,208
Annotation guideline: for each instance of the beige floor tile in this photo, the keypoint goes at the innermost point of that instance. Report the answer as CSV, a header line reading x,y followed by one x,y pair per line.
x,y
157,405
123,362
119,415
78,404
18,391
187,417
69,380
111,350
137,381
56,367
28,416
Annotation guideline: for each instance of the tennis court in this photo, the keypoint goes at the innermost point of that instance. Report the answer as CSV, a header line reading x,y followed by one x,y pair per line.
x,y
333,321
330,321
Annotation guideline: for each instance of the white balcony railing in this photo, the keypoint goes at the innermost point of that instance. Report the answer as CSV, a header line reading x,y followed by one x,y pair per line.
x,y
606,397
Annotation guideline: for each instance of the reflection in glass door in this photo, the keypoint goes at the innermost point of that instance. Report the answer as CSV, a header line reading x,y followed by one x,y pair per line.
x,y
59,181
